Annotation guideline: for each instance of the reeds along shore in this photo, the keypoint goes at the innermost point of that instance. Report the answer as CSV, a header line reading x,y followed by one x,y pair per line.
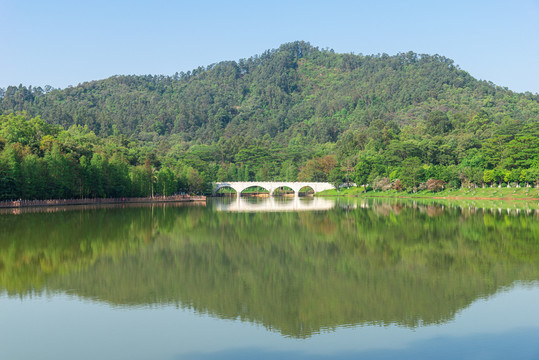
x,y
97,201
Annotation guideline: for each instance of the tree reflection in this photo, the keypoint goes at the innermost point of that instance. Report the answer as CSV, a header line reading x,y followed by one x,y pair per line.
x,y
296,272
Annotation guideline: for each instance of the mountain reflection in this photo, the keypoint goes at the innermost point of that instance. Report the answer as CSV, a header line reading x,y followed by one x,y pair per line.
x,y
372,262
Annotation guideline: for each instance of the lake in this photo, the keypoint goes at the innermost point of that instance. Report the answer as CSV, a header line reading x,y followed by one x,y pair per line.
x,y
271,278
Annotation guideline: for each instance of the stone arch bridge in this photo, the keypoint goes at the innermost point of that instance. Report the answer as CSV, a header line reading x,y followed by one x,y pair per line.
x,y
271,186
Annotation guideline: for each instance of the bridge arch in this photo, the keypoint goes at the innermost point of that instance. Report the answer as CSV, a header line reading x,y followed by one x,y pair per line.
x,y
223,185
255,186
283,191
225,192
306,189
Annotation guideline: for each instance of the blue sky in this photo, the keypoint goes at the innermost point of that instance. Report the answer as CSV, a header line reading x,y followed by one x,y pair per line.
x,y
61,43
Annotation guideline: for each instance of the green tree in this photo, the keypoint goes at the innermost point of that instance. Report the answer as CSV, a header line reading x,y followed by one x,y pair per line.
x,y
438,123
166,182
411,172
195,181
337,177
362,170
489,177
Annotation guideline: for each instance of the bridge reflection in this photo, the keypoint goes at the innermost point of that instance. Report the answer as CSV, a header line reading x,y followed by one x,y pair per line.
x,y
242,204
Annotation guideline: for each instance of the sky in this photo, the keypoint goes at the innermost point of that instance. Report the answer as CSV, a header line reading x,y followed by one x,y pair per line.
x,y
64,43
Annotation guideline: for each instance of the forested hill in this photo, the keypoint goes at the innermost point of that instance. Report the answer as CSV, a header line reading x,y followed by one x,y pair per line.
x,y
267,116
296,89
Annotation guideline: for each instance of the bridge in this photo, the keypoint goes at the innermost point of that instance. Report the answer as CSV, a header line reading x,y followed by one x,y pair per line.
x,y
271,186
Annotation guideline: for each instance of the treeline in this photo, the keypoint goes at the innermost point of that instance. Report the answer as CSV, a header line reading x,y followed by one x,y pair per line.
x,y
42,161
479,152
294,113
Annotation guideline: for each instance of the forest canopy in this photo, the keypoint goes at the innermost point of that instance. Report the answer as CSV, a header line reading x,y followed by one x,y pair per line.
x,y
293,113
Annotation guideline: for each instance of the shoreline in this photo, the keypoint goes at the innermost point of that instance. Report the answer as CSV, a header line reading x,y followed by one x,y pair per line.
x,y
61,208
479,198
442,197
100,201
389,196
495,194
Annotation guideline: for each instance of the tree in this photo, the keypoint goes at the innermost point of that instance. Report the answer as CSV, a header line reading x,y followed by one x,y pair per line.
x,y
232,173
337,177
148,177
84,177
10,170
514,176
532,176
222,174
410,172
362,171
317,169
33,177
489,177
499,176
520,152
119,181
98,175
166,182
438,123
195,181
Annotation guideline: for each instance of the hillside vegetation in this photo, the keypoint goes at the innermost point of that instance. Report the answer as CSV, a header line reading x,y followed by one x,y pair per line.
x,y
293,113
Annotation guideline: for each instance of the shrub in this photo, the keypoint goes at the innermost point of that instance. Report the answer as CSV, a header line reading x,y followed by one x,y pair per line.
x,y
435,185
381,183
397,185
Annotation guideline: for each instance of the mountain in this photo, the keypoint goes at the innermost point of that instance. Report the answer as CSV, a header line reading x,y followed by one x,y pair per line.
x,y
273,113
294,89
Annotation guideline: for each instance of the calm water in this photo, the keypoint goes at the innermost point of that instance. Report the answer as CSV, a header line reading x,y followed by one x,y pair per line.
x,y
272,278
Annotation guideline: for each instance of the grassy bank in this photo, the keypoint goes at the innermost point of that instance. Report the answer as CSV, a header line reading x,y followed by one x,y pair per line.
x,y
479,193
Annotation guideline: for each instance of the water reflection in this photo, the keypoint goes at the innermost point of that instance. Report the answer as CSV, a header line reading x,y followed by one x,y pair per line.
x,y
300,273
269,204
504,327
